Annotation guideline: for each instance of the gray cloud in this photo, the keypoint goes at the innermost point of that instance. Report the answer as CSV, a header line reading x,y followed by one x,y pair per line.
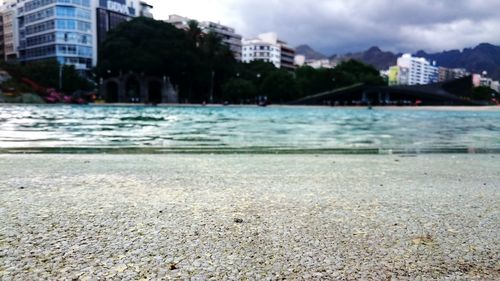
x,y
353,25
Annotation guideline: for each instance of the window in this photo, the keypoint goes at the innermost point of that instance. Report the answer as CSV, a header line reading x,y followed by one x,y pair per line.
x,y
40,27
40,15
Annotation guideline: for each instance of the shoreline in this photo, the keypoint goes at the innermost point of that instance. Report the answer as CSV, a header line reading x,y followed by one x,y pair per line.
x,y
493,108
249,217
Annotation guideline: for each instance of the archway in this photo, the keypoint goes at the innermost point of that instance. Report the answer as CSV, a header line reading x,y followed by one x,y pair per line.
x,y
133,90
154,92
111,92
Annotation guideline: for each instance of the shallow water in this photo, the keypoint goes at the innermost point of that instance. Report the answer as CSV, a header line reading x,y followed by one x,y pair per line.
x,y
245,129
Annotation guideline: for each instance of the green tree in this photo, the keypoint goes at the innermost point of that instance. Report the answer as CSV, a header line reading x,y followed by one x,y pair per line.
x,y
483,93
237,90
196,62
47,73
279,87
255,71
146,46
194,33
352,72
220,62
312,81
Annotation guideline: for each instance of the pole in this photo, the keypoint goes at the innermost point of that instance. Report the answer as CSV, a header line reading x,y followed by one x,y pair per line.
x,y
212,87
60,77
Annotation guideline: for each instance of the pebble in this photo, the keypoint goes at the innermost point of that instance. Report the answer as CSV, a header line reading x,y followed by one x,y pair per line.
x,y
303,220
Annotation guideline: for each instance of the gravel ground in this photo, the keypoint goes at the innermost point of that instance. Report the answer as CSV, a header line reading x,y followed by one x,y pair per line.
x,y
249,217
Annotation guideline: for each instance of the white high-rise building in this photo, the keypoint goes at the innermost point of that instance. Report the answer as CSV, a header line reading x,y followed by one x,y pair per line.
x,y
268,48
227,34
416,71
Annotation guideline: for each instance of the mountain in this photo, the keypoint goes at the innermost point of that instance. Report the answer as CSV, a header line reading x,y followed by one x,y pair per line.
x,y
309,52
484,57
374,56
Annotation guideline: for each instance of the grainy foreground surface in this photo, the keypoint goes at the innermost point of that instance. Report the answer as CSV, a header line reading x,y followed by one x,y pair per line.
x,y
249,217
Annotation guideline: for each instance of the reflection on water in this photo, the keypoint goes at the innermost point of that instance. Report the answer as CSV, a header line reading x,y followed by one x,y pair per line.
x,y
246,129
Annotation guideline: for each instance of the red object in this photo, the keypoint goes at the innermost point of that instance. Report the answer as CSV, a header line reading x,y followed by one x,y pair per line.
x,y
37,88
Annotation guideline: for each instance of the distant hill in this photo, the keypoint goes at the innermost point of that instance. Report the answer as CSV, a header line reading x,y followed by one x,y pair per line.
x,y
309,52
484,57
373,56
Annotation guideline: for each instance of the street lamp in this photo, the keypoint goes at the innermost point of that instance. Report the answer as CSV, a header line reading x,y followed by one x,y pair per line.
x,y
212,87
60,76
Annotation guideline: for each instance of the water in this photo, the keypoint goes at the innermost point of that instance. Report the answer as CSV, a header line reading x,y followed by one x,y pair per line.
x,y
245,129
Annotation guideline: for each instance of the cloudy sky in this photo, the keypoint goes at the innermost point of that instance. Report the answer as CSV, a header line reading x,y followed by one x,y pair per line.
x,y
337,26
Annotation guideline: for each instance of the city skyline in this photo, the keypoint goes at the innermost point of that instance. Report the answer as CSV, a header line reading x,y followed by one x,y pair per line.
x,y
354,25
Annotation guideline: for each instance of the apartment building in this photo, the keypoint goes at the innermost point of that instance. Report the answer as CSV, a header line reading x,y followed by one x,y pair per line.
x,y
10,35
227,34
413,71
447,74
69,31
268,47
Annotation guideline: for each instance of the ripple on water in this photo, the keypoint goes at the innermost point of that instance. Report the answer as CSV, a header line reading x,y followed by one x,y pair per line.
x,y
248,128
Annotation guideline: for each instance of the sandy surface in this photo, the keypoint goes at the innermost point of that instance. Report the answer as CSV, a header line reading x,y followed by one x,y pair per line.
x,y
249,217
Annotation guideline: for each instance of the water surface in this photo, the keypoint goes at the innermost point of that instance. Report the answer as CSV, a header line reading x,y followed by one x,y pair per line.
x,y
245,129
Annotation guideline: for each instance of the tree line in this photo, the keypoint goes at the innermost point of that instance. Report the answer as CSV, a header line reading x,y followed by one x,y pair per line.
x,y
200,65
204,69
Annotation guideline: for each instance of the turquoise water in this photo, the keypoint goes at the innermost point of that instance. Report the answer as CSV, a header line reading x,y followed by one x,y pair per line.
x,y
245,129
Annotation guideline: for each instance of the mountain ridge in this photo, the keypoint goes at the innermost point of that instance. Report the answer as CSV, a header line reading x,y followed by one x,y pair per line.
x,y
309,52
483,57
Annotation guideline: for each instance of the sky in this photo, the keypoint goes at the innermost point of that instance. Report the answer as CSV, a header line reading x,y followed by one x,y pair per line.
x,y
339,26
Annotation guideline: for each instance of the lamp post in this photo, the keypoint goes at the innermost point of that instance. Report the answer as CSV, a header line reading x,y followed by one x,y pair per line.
x,y
259,97
60,77
212,87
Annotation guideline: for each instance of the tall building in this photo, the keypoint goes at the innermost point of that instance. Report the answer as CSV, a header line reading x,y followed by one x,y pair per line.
x,y
109,14
447,74
69,31
10,30
416,71
268,47
227,34
393,75
2,46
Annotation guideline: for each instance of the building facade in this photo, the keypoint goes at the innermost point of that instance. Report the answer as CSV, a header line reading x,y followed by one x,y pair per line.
x,y
109,14
300,60
482,80
227,34
2,46
268,47
413,71
10,31
69,31
447,74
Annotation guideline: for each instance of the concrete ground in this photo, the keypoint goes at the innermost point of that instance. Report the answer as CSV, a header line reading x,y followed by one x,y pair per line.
x,y
249,217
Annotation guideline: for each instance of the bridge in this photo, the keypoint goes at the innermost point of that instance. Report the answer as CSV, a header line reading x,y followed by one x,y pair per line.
x,y
444,93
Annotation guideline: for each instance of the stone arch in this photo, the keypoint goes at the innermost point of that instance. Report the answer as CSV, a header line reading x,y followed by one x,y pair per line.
x,y
136,88
133,87
155,90
112,90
